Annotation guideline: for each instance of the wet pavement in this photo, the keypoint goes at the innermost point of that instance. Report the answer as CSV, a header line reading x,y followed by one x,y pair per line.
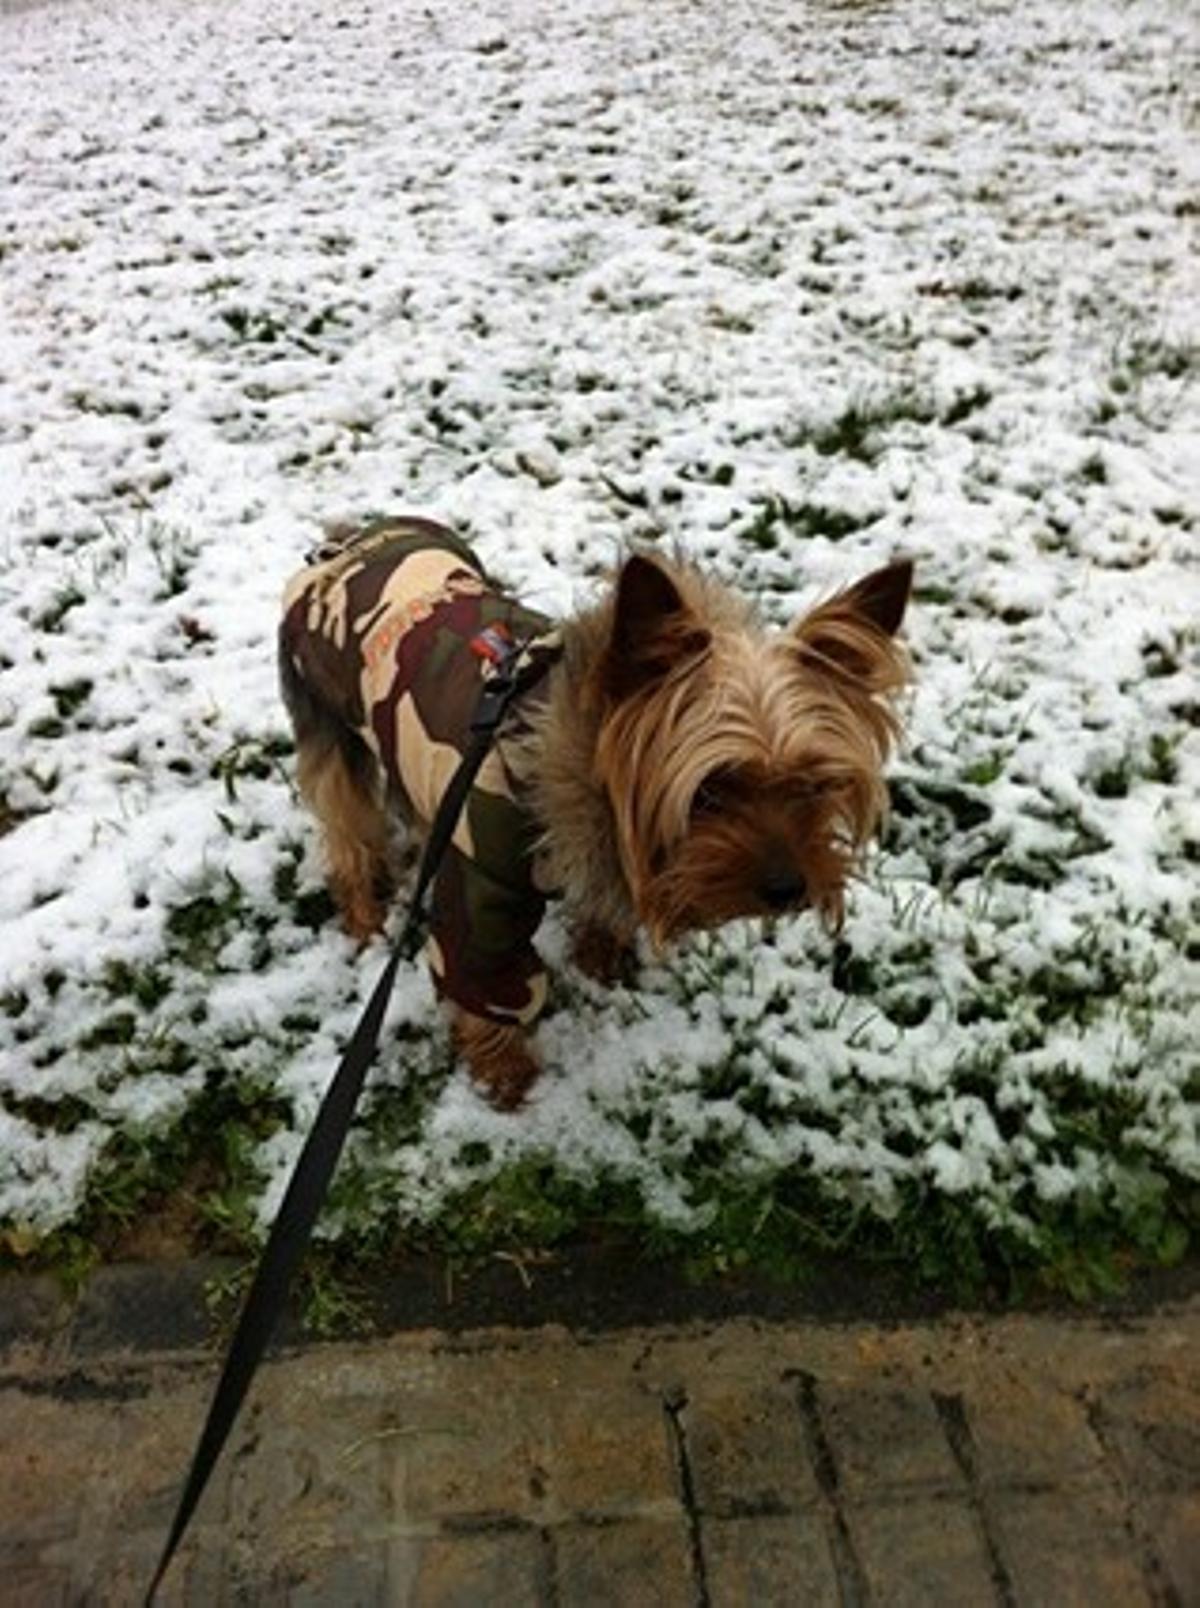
x,y
703,1459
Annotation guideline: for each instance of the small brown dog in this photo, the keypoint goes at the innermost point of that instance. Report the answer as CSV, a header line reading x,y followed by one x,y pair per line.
x,y
677,766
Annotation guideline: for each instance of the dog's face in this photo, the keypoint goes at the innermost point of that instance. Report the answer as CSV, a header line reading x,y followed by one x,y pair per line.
x,y
744,767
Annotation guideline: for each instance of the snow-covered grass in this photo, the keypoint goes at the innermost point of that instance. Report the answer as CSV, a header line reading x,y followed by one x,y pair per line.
x,y
798,286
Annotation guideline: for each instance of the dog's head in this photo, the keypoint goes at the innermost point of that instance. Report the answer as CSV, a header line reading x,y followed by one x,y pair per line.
x,y
744,767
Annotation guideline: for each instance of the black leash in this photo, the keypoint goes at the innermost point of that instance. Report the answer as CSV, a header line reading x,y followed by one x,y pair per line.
x,y
290,1232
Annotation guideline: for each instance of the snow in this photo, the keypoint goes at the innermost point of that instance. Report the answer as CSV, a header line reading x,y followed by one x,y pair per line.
x,y
565,276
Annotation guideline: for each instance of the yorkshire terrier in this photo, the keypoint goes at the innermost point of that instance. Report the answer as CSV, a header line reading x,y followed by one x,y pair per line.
x,y
676,766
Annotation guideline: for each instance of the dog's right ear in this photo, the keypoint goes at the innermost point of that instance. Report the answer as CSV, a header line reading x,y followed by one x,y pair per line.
x,y
653,629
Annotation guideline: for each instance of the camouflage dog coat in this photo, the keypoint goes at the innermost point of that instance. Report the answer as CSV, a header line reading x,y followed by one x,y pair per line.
x,y
393,630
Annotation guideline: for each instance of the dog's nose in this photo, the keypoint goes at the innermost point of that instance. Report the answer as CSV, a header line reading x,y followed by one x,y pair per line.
x,y
781,889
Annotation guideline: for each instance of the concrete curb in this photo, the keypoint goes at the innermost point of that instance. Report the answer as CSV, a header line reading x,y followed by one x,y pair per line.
x,y
163,1307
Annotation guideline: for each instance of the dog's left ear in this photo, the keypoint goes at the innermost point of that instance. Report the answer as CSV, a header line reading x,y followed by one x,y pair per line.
x,y
882,596
844,631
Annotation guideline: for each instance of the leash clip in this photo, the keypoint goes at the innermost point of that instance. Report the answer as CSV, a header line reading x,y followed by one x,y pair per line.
x,y
496,647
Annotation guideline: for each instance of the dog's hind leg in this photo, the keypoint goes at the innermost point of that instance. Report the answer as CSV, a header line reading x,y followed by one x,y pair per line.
x,y
340,789
339,781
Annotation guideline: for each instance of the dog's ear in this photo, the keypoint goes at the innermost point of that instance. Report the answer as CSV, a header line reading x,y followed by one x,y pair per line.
x,y
845,631
653,630
882,596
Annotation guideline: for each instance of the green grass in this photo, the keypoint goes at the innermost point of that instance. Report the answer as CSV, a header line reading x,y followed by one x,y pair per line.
x,y
777,519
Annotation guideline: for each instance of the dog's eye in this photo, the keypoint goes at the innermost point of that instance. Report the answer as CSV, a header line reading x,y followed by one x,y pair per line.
x,y
811,789
707,801
715,794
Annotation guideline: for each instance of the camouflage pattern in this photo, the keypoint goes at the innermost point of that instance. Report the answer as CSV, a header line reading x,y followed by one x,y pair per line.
x,y
380,627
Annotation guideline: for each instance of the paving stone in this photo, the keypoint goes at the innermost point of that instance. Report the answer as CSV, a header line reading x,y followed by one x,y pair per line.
x,y
761,1561
607,1454
633,1561
343,1577
313,1470
120,1572
1069,1550
466,1459
480,1571
34,1585
1027,1435
204,1576
923,1553
747,1453
1174,1527
887,1440
66,1461
41,1496
1153,1424
139,1460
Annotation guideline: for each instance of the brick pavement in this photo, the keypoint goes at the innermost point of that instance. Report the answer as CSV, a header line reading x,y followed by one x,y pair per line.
x,y
1019,1460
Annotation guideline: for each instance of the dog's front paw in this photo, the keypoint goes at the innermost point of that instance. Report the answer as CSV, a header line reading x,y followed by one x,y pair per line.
x,y
603,955
362,902
363,916
500,1060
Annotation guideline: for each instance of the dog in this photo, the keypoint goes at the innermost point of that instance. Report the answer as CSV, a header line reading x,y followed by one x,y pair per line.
x,y
676,765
